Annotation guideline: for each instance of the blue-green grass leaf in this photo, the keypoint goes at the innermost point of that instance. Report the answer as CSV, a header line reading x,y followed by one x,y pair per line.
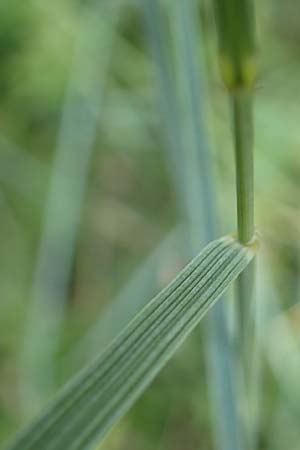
x,y
93,402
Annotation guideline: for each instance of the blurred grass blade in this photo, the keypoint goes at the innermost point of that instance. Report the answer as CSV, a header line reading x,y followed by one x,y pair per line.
x,y
188,144
101,394
168,103
196,155
63,205
199,184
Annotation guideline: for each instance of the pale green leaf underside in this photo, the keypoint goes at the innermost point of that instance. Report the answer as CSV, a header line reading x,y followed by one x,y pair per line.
x,y
101,394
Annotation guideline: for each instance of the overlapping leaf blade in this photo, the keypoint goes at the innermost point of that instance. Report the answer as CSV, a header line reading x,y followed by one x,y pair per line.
x,y
101,394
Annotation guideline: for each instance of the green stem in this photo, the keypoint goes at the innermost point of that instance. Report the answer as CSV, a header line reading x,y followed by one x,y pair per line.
x,y
242,110
236,30
243,140
243,147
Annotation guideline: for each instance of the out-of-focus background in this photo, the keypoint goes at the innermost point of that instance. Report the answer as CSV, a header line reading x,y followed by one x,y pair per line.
x,y
112,116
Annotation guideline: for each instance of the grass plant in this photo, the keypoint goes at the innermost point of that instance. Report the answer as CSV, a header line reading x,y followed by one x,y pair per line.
x,y
100,211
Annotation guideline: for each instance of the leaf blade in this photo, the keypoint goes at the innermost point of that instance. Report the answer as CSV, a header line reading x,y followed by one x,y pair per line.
x,y
100,395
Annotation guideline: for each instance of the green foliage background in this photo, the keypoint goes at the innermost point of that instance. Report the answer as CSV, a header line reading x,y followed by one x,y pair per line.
x,y
130,206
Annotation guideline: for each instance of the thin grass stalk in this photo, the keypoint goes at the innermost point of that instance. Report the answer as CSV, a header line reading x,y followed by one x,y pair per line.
x,y
63,208
235,24
243,143
242,112
196,199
